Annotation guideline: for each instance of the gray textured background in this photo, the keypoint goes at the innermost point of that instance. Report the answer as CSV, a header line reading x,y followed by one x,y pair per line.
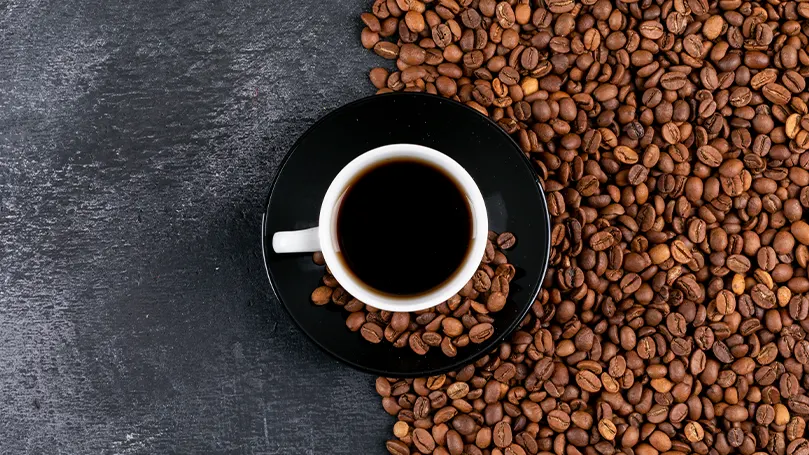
x,y
138,139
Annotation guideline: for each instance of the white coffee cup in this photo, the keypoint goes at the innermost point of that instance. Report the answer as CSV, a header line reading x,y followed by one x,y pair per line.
x,y
324,237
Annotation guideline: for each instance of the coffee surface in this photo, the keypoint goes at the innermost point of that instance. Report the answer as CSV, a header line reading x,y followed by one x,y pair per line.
x,y
404,227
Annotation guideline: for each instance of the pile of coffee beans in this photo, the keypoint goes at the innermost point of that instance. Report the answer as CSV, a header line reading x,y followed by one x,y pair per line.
x,y
465,318
671,138
507,401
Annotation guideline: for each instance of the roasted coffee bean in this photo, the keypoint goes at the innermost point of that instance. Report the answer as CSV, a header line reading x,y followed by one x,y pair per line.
x,y
502,434
795,428
776,93
480,333
423,441
607,429
558,420
386,50
506,240
481,281
588,381
397,447
372,332
505,15
322,295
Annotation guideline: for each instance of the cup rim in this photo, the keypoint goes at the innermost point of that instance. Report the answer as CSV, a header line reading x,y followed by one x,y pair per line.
x,y
347,279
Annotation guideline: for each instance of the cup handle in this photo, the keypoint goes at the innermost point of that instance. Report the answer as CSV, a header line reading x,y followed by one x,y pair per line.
x,y
303,241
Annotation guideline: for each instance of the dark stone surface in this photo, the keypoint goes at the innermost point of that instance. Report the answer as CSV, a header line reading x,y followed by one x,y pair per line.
x,y
138,139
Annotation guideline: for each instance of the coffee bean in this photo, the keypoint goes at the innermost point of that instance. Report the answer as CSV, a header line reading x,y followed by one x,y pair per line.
x,y
799,308
470,18
473,60
800,231
709,78
445,414
397,447
544,368
379,78
560,6
694,432
423,441
651,29
436,382
371,332
709,155
646,348
605,92
798,446
673,80
607,429
630,283
676,324
558,420
458,390
400,321
505,271
369,38
671,133
480,333
602,240
776,93
322,295
501,434
588,381
417,344
442,35
380,9
795,428
529,58
680,252
432,339
509,76
625,155
738,263
801,352
506,240
762,296
386,50
505,15
532,411
355,320
483,95
799,405
481,281
464,424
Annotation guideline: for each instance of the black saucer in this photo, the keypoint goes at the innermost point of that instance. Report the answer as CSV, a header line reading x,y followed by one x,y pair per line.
x,y
514,200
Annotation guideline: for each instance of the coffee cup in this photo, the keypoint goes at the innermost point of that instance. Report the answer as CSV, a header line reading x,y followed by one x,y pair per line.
x,y
402,227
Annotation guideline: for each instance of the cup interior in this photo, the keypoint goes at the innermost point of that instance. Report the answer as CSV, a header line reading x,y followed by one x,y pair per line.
x,y
329,237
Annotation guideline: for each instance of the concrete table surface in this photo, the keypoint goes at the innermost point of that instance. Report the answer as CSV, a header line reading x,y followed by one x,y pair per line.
x,y
138,139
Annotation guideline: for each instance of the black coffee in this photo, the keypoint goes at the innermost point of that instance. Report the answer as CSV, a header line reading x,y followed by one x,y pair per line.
x,y
404,227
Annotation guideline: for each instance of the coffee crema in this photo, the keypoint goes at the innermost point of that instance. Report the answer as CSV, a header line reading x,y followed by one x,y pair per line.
x,y
404,227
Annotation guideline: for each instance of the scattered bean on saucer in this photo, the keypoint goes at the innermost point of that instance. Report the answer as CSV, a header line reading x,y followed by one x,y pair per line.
x,y
465,318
